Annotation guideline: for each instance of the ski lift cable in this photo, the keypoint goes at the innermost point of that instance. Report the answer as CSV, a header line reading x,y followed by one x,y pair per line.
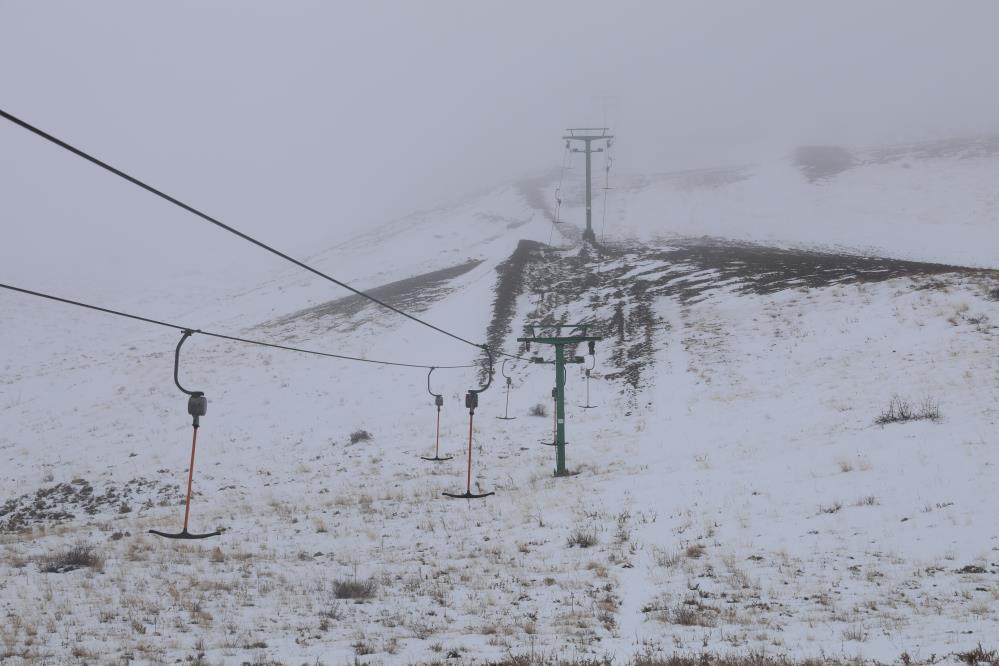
x,y
223,336
608,161
566,154
204,216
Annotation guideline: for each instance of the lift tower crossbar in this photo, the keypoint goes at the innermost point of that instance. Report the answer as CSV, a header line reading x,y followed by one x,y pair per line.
x,y
588,135
551,334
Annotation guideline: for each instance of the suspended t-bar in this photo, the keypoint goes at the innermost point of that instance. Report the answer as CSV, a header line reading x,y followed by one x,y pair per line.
x,y
551,334
554,441
471,402
593,359
197,406
439,401
506,412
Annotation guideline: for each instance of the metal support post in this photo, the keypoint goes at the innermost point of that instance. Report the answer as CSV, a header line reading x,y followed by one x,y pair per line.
x,y
588,135
560,343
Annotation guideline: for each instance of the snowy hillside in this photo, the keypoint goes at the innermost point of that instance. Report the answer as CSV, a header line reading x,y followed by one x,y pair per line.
x,y
734,492
935,201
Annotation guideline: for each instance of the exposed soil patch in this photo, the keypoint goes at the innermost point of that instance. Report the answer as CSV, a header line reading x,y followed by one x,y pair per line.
x,y
818,162
765,270
620,284
509,287
64,502
412,295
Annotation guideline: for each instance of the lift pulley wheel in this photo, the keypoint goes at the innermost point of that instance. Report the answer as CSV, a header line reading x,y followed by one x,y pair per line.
x,y
197,404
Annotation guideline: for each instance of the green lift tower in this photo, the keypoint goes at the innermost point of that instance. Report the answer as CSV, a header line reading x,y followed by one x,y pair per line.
x,y
551,334
588,135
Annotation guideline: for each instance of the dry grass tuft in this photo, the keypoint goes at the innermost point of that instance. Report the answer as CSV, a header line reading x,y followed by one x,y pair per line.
x,y
355,589
80,556
900,410
584,538
360,436
979,656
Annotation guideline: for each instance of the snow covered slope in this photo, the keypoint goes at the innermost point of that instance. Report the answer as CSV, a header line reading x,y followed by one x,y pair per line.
x,y
935,201
734,491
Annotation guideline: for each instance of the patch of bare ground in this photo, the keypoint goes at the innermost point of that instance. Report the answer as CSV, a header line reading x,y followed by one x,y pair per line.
x,y
621,284
63,502
414,294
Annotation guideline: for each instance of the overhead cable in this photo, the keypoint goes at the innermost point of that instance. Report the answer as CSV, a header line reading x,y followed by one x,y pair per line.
x,y
221,225
223,336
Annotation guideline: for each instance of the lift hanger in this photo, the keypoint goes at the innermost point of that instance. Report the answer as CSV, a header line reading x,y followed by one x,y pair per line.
x,y
197,406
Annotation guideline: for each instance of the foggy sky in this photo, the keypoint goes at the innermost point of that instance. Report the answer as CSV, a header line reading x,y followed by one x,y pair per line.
x,y
305,121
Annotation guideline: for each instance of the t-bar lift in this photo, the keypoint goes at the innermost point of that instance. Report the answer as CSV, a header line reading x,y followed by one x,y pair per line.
x,y
551,334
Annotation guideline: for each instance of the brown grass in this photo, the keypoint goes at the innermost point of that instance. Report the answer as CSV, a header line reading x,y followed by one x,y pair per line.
x,y
80,556
674,660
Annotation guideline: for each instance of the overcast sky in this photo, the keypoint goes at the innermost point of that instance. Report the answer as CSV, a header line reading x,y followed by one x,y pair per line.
x,y
306,121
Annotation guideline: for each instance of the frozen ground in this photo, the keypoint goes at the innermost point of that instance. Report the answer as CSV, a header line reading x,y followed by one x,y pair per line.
x,y
734,492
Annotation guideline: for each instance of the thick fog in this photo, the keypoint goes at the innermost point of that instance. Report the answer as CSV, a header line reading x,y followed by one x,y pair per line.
x,y
304,122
